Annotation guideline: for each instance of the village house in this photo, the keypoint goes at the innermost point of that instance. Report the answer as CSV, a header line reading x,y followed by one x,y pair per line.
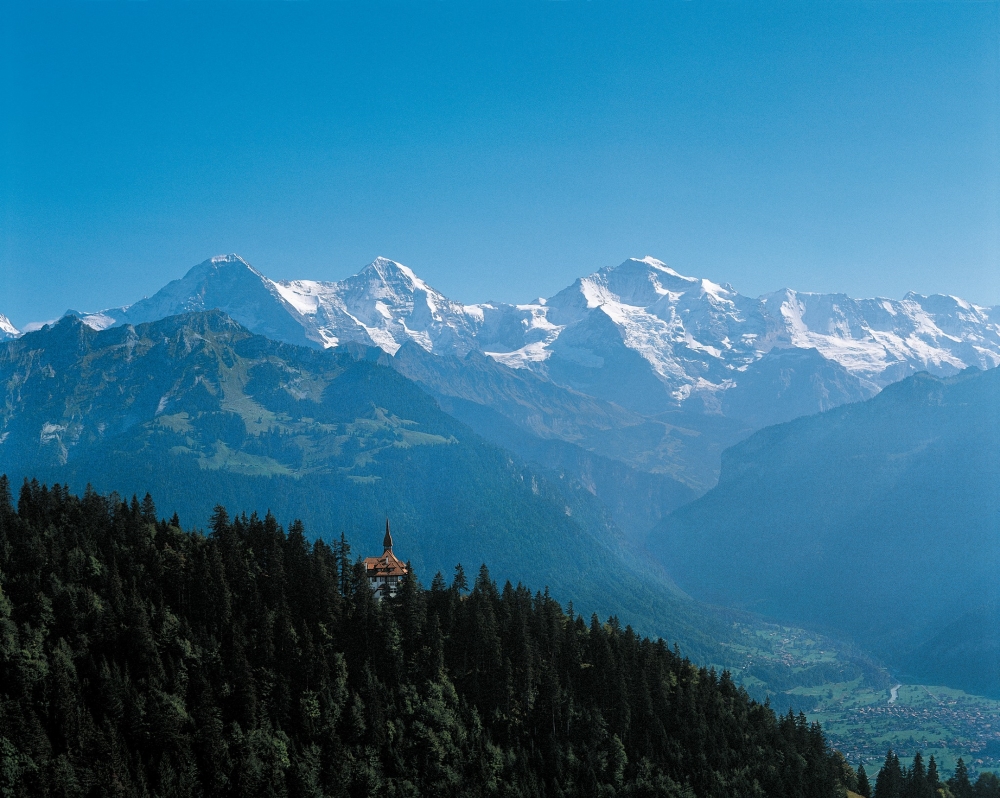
x,y
385,573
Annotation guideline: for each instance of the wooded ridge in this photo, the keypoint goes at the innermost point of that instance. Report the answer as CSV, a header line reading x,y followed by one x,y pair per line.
x,y
137,659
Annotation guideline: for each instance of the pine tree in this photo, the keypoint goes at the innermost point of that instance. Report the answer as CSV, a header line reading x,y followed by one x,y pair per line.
x,y
864,788
342,551
916,779
933,779
170,663
959,784
889,782
148,509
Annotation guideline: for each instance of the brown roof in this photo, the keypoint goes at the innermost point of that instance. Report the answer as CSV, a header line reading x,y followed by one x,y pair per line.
x,y
386,565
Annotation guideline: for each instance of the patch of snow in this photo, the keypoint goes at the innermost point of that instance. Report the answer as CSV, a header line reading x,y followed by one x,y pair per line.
x,y
50,432
98,321
301,295
34,326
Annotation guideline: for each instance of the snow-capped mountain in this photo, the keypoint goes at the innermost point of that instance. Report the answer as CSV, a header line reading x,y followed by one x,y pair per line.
x,y
227,283
639,333
697,338
385,304
885,340
7,330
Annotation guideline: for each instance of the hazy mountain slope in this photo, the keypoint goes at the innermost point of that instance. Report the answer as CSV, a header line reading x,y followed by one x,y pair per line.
x,y
636,500
549,412
207,412
966,652
879,519
788,383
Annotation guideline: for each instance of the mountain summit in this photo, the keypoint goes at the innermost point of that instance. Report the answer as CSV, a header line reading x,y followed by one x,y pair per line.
x,y
227,283
7,330
384,305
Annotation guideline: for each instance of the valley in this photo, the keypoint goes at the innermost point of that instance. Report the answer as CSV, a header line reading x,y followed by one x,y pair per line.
x,y
932,719
860,716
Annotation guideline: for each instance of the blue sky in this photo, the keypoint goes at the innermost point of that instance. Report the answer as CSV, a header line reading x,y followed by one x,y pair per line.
x,y
500,150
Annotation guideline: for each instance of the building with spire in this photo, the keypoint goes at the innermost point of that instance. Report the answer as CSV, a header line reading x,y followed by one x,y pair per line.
x,y
386,572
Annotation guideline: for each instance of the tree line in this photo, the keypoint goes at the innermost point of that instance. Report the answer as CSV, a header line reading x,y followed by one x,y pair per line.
x,y
920,781
139,659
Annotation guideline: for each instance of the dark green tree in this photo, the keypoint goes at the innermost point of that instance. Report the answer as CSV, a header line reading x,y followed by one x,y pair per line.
x,y
140,660
889,782
959,783
864,787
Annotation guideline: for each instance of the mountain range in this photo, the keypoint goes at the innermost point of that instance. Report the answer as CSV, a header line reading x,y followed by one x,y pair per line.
x,y
634,363
694,338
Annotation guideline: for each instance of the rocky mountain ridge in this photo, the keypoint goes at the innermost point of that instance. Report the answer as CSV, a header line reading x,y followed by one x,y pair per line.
x,y
685,341
636,362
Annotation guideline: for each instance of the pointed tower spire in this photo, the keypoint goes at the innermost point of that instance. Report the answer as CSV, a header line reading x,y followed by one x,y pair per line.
x,y
387,540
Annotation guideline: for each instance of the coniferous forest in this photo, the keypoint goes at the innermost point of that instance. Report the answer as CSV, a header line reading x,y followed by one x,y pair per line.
x,y
138,659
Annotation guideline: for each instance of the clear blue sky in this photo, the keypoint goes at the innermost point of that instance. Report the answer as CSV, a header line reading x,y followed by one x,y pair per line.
x,y
501,150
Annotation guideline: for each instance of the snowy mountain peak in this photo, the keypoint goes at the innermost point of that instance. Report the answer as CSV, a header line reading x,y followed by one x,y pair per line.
x,y
230,258
222,264
227,283
7,330
660,266
639,282
385,305
392,279
393,273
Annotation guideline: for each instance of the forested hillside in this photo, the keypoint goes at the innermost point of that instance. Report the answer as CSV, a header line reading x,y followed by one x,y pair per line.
x,y
137,659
